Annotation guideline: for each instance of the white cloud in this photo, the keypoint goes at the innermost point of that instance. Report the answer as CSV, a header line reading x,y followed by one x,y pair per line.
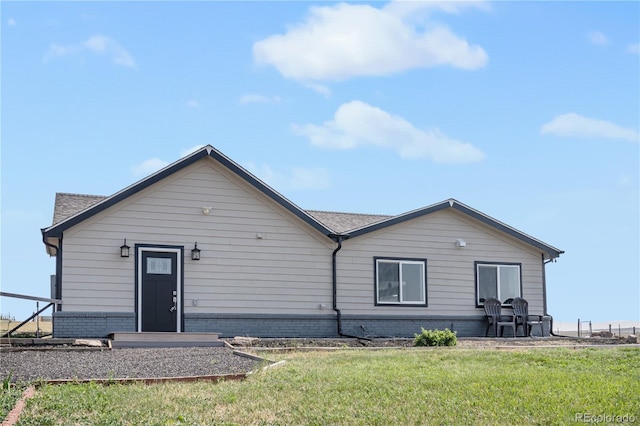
x,y
265,173
313,178
98,44
410,8
319,89
347,40
106,45
191,150
193,103
59,50
148,167
297,178
625,181
572,125
598,38
357,124
11,22
634,48
152,165
253,98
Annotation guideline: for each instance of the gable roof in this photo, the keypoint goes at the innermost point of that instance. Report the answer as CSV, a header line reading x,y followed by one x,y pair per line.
x,y
56,230
71,209
462,208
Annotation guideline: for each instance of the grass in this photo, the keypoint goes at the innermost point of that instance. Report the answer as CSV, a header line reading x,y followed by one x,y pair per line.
x,y
437,386
8,399
9,396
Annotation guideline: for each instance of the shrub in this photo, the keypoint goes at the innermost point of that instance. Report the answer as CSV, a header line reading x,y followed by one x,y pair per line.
x,y
444,337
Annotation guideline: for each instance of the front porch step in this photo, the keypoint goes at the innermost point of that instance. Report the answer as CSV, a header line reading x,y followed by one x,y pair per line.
x,y
122,339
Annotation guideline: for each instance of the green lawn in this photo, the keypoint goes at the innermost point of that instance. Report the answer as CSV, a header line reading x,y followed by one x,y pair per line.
x,y
389,387
8,398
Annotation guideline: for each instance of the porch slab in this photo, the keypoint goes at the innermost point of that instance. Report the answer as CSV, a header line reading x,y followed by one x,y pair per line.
x,y
164,340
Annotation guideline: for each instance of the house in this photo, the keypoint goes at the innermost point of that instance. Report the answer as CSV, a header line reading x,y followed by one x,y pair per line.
x,y
203,245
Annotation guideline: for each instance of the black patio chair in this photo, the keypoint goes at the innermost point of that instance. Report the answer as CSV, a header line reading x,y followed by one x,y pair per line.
x,y
523,318
495,319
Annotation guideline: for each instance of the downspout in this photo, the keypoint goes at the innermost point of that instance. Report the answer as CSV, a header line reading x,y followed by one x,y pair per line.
x,y
334,259
58,250
544,285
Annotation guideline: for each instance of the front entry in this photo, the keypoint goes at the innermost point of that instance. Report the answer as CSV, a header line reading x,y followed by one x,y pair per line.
x,y
159,295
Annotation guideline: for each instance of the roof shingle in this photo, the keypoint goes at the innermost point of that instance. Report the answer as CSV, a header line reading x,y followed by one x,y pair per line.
x,y
68,205
343,222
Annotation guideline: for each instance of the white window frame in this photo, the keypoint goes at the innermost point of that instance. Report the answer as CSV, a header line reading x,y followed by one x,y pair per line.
x,y
497,265
400,262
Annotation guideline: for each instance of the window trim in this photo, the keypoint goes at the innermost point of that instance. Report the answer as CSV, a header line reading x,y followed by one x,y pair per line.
x,y
399,260
498,264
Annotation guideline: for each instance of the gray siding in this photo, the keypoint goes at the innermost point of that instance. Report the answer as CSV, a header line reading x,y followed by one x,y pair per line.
x,y
287,271
262,286
450,270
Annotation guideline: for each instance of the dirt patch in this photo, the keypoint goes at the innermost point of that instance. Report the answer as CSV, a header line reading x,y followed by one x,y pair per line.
x,y
29,328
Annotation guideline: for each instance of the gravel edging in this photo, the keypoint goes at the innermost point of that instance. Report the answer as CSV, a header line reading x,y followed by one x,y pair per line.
x,y
147,365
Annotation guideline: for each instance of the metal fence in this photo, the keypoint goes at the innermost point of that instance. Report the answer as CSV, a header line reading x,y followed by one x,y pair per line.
x,y
586,328
581,330
51,303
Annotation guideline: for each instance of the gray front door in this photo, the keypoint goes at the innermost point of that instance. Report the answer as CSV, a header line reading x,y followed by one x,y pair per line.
x,y
159,291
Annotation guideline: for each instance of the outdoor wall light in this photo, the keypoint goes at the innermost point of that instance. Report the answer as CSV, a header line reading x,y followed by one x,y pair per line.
x,y
124,249
461,243
195,252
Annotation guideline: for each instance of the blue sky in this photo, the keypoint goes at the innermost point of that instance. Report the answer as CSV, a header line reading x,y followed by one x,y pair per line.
x,y
526,111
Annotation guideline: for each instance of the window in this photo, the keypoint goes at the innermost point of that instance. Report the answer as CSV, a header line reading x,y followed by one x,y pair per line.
x,y
159,265
499,281
401,281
